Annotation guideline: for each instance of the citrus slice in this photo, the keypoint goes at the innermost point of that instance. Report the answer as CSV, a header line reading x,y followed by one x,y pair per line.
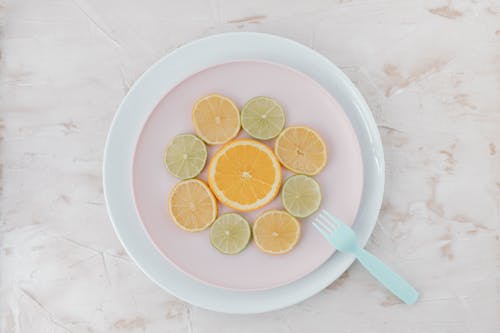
x,y
230,233
301,195
301,150
185,156
262,118
276,232
192,205
244,175
216,119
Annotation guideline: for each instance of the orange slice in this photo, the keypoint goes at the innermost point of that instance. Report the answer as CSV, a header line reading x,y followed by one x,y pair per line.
x,y
276,232
192,205
216,119
244,175
301,150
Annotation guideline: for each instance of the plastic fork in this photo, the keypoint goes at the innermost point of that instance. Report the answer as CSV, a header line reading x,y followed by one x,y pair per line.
x,y
343,238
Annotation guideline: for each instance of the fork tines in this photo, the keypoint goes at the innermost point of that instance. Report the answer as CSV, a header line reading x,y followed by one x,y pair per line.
x,y
325,223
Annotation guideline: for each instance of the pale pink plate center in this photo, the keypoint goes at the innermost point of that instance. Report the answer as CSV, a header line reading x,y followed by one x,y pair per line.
x,y
305,103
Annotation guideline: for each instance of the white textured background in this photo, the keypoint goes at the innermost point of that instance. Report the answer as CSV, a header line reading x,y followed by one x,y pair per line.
x,y
430,71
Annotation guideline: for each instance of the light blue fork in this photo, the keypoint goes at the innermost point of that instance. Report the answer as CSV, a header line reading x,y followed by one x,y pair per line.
x,y
344,239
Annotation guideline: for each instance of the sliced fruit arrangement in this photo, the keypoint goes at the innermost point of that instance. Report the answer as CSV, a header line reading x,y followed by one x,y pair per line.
x,y
230,233
216,119
262,118
185,156
276,232
301,150
244,175
192,205
301,195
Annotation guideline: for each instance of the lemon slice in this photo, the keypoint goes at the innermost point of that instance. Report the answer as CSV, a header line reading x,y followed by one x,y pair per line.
x,y
192,205
185,156
301,195
276,232
216,119
262,118
301,150
230,233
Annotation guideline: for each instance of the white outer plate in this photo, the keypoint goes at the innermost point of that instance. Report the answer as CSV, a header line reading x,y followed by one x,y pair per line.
x,y
143,97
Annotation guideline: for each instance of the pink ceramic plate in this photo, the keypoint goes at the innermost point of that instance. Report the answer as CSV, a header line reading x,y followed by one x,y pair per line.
x,y
305,103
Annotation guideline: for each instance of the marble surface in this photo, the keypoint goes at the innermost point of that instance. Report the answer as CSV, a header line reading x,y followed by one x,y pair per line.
x,y
430,71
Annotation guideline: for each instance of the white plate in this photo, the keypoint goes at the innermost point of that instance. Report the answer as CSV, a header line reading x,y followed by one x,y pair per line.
x,y
147,92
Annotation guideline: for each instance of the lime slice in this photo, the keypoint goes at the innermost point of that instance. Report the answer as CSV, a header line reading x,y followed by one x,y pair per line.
x,y
262,118
230,233
301,195
185,156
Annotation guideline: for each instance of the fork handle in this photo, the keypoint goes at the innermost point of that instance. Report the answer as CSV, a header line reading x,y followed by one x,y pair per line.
x,y
390,279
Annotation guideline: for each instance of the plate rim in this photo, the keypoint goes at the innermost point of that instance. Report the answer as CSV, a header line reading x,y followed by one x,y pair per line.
x,y
147,257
